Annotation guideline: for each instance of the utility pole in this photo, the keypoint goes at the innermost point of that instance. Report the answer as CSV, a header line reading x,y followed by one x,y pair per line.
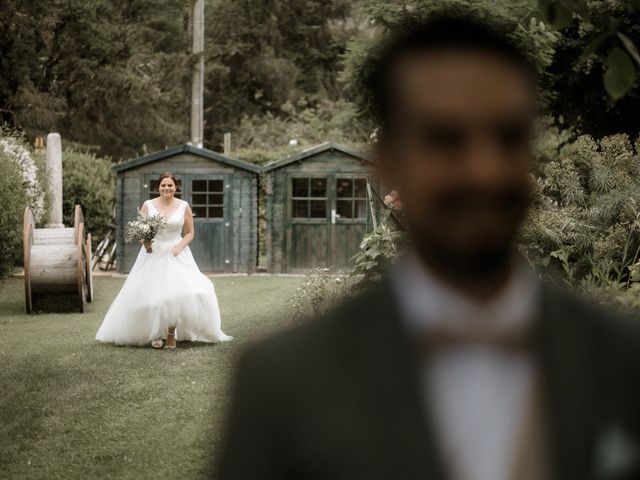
x,y
197,82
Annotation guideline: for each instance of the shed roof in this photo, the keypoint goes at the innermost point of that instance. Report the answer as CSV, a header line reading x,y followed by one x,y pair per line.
x,y
310,152
185,148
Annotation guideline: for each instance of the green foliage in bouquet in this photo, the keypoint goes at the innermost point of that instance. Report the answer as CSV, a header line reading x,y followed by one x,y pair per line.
x,y
145,228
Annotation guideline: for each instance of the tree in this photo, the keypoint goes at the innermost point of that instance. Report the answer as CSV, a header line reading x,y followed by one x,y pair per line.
x,y
112,74
265,54
593,76
519,17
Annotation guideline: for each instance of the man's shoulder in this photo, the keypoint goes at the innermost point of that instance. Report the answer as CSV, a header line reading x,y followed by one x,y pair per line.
x,y
610,328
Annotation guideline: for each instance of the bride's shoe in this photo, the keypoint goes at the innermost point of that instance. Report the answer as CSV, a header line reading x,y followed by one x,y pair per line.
x,y
171,339
157,343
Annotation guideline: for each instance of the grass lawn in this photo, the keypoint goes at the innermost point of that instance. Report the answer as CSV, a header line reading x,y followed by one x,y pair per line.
x,y
70,408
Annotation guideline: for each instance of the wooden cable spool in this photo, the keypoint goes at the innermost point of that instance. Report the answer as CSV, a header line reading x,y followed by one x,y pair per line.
x,y
57,261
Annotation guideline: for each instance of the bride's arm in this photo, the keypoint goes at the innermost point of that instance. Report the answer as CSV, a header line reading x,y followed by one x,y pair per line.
x,y
188,231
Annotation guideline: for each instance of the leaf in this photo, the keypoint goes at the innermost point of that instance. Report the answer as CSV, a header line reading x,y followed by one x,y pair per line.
x,y
620,74
630,46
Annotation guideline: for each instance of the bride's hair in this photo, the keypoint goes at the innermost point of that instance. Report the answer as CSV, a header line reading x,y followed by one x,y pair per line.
x,y
172,177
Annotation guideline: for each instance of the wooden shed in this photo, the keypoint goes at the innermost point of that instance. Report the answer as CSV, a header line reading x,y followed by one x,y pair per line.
x,y
316,208
222,192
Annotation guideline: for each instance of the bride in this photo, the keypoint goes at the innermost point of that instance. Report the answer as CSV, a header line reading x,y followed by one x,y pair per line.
x,y
165,295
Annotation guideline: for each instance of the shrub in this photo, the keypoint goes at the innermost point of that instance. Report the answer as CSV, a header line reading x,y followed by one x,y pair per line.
x,y
321,290
13,199
14,149
88,181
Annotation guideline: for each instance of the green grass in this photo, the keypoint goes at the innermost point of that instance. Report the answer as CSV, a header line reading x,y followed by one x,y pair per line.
x,y
70,408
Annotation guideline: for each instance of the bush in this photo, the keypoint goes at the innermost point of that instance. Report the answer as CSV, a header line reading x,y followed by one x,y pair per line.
x,y
88,181
13,199
14,149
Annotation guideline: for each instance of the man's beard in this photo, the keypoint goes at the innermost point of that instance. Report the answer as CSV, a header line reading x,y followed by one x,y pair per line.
x,y
477,261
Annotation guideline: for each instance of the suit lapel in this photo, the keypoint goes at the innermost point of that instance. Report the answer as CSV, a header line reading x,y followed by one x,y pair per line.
x,y
568,367
392,390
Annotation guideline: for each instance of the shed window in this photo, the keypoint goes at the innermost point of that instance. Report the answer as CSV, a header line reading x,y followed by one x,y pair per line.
x,y
351,198
207,198
153,189
308,198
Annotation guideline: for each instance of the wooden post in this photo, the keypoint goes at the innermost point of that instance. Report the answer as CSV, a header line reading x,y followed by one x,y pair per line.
x,y
227,144
374,220
54,173
197,82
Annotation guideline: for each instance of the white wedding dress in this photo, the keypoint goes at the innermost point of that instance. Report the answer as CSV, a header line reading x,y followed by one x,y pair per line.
x,y
163,291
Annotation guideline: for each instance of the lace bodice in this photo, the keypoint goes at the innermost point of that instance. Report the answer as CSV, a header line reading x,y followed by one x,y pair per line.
x,y
175,222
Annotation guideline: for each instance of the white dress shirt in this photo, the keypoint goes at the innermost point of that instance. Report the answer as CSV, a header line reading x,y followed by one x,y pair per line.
x,y
478,393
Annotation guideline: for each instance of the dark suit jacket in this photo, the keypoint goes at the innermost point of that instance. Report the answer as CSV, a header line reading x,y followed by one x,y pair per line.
x,y
338,398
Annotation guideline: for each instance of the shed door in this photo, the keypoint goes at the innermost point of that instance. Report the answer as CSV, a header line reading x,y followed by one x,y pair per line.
x,y
209,198
327,220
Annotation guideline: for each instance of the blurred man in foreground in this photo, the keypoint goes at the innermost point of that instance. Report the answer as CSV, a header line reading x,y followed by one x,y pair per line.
x,y
459,364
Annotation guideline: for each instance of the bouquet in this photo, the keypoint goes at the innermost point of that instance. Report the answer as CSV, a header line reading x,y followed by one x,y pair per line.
x,y
145,228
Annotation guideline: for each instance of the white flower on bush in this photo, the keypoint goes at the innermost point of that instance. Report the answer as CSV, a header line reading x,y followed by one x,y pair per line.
x,y
16,151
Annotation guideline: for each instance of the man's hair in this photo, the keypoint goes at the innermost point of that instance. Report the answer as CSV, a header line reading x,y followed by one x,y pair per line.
x,y
441,31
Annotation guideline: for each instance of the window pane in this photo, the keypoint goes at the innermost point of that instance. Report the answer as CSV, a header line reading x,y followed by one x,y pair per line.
x,y
360,190
344,208
360,207
199,212
153,186
344,188
318,209
300,187
199,199
153,195
199,186
216,186
177,195
216,212
318,187
216,199
300,209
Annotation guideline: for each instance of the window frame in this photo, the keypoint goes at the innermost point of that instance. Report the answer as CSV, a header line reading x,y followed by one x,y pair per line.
x,y
353,199
222,193
291,199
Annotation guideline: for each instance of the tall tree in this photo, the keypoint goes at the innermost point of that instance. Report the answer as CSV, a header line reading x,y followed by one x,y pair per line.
x,y
263,54
107,73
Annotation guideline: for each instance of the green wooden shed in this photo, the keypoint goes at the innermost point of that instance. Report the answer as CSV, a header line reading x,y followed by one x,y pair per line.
x,y
222,192
316,208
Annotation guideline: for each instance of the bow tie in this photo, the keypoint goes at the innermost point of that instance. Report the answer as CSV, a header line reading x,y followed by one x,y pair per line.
x,y
509,339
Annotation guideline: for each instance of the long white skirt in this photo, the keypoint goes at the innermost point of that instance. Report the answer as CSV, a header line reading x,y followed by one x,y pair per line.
x,y
163,291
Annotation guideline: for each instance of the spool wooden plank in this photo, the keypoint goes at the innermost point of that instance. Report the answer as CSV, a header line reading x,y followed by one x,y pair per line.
x,y
44,236
88,271
79,263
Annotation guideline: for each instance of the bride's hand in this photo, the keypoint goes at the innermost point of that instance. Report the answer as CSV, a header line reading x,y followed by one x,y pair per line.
x,y
147,244
175,250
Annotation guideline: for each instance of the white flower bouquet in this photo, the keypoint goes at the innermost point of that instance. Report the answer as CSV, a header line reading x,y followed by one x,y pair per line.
x,y
145,228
